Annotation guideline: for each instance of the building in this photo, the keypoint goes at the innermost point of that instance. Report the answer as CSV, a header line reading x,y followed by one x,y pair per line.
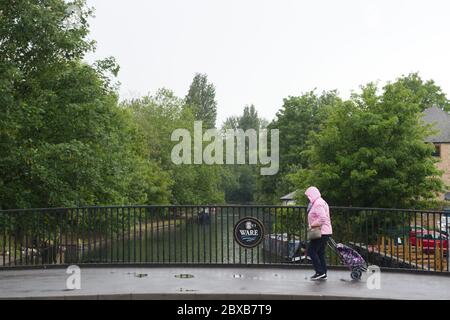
x,y
441,141
289,199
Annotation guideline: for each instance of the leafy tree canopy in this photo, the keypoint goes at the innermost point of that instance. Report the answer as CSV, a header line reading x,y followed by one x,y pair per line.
x,y
201,100
370,150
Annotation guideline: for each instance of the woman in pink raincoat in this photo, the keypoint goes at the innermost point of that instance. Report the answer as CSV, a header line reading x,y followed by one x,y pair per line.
x,y
318,217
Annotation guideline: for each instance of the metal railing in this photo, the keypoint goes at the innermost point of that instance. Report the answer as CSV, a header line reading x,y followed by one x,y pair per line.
x,y
194,235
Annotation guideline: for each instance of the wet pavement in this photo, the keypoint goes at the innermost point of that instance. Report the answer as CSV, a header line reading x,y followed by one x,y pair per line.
x,y
217,283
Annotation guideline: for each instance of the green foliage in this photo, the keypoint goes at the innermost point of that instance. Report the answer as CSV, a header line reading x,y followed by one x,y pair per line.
x,y
241,185
157,117
36,36
64,140
201,100
249,119
297,118
427,93
370,151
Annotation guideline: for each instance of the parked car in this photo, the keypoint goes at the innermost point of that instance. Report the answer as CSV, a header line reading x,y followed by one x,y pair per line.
x,y
413,231
430,239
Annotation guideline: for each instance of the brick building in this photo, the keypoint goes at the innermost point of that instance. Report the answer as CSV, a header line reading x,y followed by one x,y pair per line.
x,y
441,140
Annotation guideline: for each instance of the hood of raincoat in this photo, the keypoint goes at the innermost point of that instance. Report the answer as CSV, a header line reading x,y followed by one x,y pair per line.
x,y
313,194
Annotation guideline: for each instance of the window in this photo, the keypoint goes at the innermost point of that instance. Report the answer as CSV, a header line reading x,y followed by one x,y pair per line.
x,y
437,151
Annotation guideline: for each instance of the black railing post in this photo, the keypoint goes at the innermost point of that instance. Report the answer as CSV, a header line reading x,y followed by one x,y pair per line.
x,y
216,231
3,220
32,237
146,241
140,235
168,233
228,234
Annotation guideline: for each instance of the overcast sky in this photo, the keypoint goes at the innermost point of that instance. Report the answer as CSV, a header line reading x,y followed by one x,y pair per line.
x,y
259,52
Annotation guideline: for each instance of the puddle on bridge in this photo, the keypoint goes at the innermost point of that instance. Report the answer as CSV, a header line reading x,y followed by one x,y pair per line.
x,y
138,275
141,275
184,276
187,290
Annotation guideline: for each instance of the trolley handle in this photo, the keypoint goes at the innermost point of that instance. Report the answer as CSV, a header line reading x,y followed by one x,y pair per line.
x,y
333,242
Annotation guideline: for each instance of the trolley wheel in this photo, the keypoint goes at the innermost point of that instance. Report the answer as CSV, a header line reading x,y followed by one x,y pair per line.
x,y
356,275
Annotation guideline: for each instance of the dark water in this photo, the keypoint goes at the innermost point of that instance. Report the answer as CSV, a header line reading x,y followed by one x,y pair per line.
x,y
189,241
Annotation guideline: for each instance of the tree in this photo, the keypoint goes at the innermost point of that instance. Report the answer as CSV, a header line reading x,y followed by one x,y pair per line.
x,y
157,117
370,150
35,36
427,93
241,180
249,119
231,123
201,100
298,116
63,139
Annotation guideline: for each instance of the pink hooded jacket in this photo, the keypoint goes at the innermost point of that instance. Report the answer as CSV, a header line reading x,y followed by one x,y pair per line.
x,y
319,214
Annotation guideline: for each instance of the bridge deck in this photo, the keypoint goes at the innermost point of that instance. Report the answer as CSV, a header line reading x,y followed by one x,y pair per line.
x,y
216,283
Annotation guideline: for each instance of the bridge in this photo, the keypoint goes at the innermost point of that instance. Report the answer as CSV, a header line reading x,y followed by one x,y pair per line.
x,y
221,283
135,252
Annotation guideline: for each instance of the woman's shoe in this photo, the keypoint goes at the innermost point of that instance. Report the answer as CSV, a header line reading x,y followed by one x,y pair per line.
x,y
314,277
318,276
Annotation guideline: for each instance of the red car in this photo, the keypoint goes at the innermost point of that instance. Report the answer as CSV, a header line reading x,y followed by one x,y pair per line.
x,y
429,239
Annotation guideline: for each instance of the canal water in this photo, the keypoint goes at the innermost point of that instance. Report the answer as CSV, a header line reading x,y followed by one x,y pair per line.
x,y
188,240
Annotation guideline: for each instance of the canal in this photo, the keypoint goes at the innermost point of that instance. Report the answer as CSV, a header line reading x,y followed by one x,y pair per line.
x,y
187,238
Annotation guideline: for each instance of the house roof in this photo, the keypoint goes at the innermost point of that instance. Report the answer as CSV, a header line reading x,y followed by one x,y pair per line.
x,y
290,196
441,121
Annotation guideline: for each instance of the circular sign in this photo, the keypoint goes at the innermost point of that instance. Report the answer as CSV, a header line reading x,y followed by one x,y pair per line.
x,y
249,232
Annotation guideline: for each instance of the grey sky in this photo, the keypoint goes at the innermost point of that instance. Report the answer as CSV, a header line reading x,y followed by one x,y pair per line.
x,y
260,52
